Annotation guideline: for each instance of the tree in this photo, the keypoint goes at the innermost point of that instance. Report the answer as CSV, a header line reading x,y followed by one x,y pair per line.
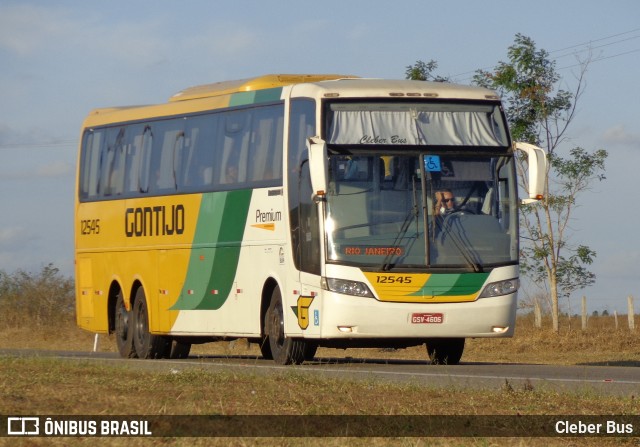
x,y
540,113
422,71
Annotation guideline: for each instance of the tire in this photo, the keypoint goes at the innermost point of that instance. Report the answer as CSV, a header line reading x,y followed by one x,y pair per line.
x,y
179,349
265,345
284,350
124,329
310,350
147,345
445,351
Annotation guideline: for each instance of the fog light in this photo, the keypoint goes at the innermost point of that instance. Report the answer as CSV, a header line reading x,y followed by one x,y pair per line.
x,y
345,328
500,329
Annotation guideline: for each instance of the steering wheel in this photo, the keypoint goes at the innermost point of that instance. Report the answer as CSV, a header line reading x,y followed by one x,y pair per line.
x,y
447,220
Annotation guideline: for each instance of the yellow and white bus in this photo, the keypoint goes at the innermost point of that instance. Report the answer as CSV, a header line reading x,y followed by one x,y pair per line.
x,y
300,211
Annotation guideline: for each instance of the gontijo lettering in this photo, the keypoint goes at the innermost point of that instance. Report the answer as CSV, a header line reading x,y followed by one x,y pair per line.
x,y
154,221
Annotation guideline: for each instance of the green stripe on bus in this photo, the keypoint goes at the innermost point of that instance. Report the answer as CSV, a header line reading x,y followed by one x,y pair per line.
x,y
452,284
255,97
216,250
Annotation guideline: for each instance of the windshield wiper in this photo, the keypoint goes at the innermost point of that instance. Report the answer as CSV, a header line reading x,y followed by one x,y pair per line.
x,y
459,243
412,214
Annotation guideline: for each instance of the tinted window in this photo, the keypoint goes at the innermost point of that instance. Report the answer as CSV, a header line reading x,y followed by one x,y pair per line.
x,y
207,152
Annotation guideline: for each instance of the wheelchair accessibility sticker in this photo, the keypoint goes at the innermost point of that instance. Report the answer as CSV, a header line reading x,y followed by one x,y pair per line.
x,y
432,163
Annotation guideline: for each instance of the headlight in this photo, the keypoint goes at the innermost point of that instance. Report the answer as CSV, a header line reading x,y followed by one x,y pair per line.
x,y
500,288
347,287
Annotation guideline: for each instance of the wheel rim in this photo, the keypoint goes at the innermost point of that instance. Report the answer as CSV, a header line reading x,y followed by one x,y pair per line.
x,y
142,325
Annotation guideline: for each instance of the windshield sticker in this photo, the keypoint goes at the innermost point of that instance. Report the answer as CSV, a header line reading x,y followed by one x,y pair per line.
x,y
432,163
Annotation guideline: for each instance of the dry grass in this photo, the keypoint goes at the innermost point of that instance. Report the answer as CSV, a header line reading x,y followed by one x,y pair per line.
x,y
41,386
45,386
600,344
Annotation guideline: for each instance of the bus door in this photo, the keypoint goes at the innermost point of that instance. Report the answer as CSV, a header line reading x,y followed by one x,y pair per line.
x,y
309,254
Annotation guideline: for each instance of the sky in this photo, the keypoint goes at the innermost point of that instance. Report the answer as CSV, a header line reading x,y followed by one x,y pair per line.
x,y
61,59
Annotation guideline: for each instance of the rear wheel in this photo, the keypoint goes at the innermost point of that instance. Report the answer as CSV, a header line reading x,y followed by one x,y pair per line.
x,y
124,329
445,351
310,350
284,350
147,345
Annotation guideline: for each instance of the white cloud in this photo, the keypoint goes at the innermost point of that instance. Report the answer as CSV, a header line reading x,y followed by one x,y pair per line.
x,y
55,169
27,29
618,135
12,237
622,265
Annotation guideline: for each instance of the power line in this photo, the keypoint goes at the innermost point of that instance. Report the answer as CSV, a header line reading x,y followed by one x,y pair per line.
x,y
573,53
598,40
582,45
603,58
52,145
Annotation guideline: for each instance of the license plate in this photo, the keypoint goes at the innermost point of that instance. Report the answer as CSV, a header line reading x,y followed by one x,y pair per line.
x,y
427,318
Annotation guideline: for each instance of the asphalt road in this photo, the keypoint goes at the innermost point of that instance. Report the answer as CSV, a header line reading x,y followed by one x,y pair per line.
x,y
608,380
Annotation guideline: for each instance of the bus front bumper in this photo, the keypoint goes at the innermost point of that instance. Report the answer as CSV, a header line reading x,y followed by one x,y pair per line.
x,y
343,317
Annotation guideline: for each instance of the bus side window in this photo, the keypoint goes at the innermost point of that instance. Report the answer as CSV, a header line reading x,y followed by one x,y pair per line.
x,y
204,133
265,150
233,156
145,160
167,145
112,175
90,169
134,159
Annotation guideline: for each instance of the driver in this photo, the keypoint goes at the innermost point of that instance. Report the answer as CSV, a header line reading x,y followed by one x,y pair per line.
x,y
445,202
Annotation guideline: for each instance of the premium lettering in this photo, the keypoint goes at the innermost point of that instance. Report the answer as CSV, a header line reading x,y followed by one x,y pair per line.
x,y
154,221
268,216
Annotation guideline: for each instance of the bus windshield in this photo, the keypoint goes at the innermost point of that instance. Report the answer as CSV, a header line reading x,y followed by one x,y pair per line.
x,y
387,210
420,184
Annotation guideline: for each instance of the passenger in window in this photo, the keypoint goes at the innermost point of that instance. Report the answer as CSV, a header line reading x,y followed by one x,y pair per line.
x,y
231,174
206,175
351,171
445,202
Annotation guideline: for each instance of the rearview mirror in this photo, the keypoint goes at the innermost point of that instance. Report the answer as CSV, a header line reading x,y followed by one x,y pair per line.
x,y
537,160
318,165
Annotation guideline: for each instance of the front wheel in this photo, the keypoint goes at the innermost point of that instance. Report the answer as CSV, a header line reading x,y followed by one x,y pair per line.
x,y
445,351
284,350
178,349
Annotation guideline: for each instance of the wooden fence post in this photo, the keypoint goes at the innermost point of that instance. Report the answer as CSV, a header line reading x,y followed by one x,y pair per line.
x,y
537,313
615,318
584,313
630,315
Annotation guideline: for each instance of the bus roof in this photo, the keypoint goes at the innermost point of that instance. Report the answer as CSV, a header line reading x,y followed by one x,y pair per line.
x,y
380,88
218,95
252,84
